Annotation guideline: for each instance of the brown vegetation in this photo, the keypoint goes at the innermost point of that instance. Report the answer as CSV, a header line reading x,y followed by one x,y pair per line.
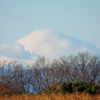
x,y
76,96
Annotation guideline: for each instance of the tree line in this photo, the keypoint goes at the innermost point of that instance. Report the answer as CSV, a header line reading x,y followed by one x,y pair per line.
x,y
43,73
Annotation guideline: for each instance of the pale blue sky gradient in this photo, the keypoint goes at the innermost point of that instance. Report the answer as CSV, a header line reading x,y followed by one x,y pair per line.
x,y
75,18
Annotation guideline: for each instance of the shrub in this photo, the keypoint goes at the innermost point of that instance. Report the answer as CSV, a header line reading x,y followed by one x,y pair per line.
x,y
63,87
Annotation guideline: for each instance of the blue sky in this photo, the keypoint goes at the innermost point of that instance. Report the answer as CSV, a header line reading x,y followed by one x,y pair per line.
x,y
75,18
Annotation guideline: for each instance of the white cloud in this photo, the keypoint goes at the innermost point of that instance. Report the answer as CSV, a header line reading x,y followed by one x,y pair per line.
x,y
84,49
48,43
45,42
53,44
14,50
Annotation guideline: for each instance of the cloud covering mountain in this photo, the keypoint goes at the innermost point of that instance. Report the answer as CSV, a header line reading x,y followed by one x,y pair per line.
x,y
53,44
14,50
48,43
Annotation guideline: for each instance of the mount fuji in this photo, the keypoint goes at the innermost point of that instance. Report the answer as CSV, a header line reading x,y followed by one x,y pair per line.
x,y
48,43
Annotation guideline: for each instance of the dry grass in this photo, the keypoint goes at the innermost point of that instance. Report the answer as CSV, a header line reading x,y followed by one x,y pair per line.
x,y
59,96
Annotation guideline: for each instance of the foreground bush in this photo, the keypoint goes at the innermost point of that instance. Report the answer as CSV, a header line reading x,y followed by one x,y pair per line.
x,y
63,87
8,91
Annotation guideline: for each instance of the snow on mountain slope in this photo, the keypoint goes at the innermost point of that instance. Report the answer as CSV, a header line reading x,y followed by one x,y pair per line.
x,y
48,43
7,61
53,44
